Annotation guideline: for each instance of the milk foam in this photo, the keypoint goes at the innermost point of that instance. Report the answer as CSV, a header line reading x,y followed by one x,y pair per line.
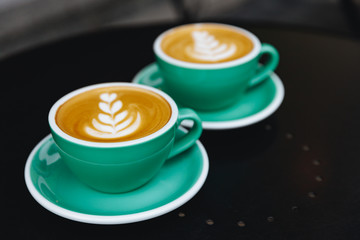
x,y
111,122
207,48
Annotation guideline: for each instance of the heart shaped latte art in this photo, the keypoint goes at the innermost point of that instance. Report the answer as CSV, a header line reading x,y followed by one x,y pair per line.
x,y
106,97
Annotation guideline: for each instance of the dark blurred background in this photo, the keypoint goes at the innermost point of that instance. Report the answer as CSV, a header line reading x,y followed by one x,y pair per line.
x,y
28,23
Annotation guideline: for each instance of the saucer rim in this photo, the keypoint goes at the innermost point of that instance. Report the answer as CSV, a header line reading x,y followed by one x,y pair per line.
x,y
241,122
115,219
254,118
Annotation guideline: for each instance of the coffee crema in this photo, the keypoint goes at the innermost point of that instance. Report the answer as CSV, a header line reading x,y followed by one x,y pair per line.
x,y
113,114
206,43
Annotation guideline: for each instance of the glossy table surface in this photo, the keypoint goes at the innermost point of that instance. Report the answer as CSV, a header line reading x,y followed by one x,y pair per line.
x,y
294,175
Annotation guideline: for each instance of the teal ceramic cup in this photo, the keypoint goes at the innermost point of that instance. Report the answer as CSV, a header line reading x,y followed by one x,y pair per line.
x,y
212,86
117,167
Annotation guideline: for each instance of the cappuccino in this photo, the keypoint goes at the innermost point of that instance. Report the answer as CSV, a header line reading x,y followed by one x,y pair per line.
x,y
113,114
206,43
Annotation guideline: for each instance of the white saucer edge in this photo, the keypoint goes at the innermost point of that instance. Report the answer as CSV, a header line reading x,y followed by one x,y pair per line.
x,y
274,105
118,219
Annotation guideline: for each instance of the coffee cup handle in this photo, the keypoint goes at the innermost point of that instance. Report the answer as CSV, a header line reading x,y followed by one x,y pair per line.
x,y
270,65
186,141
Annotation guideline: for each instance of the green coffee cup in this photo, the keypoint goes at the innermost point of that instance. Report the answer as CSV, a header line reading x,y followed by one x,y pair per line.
x,y
122,166
206,85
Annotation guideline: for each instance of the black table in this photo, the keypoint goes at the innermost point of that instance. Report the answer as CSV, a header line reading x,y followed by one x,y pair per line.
x,y
294,175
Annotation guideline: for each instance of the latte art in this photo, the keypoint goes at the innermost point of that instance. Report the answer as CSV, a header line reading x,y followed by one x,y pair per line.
x,y
113,114
113,123
207,48
206,43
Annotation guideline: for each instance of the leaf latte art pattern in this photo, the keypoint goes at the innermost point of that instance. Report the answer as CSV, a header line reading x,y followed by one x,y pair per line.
x,y
112,122
207,48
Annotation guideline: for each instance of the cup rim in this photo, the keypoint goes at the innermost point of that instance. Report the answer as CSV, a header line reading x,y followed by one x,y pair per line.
x,y
62,100
254,52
